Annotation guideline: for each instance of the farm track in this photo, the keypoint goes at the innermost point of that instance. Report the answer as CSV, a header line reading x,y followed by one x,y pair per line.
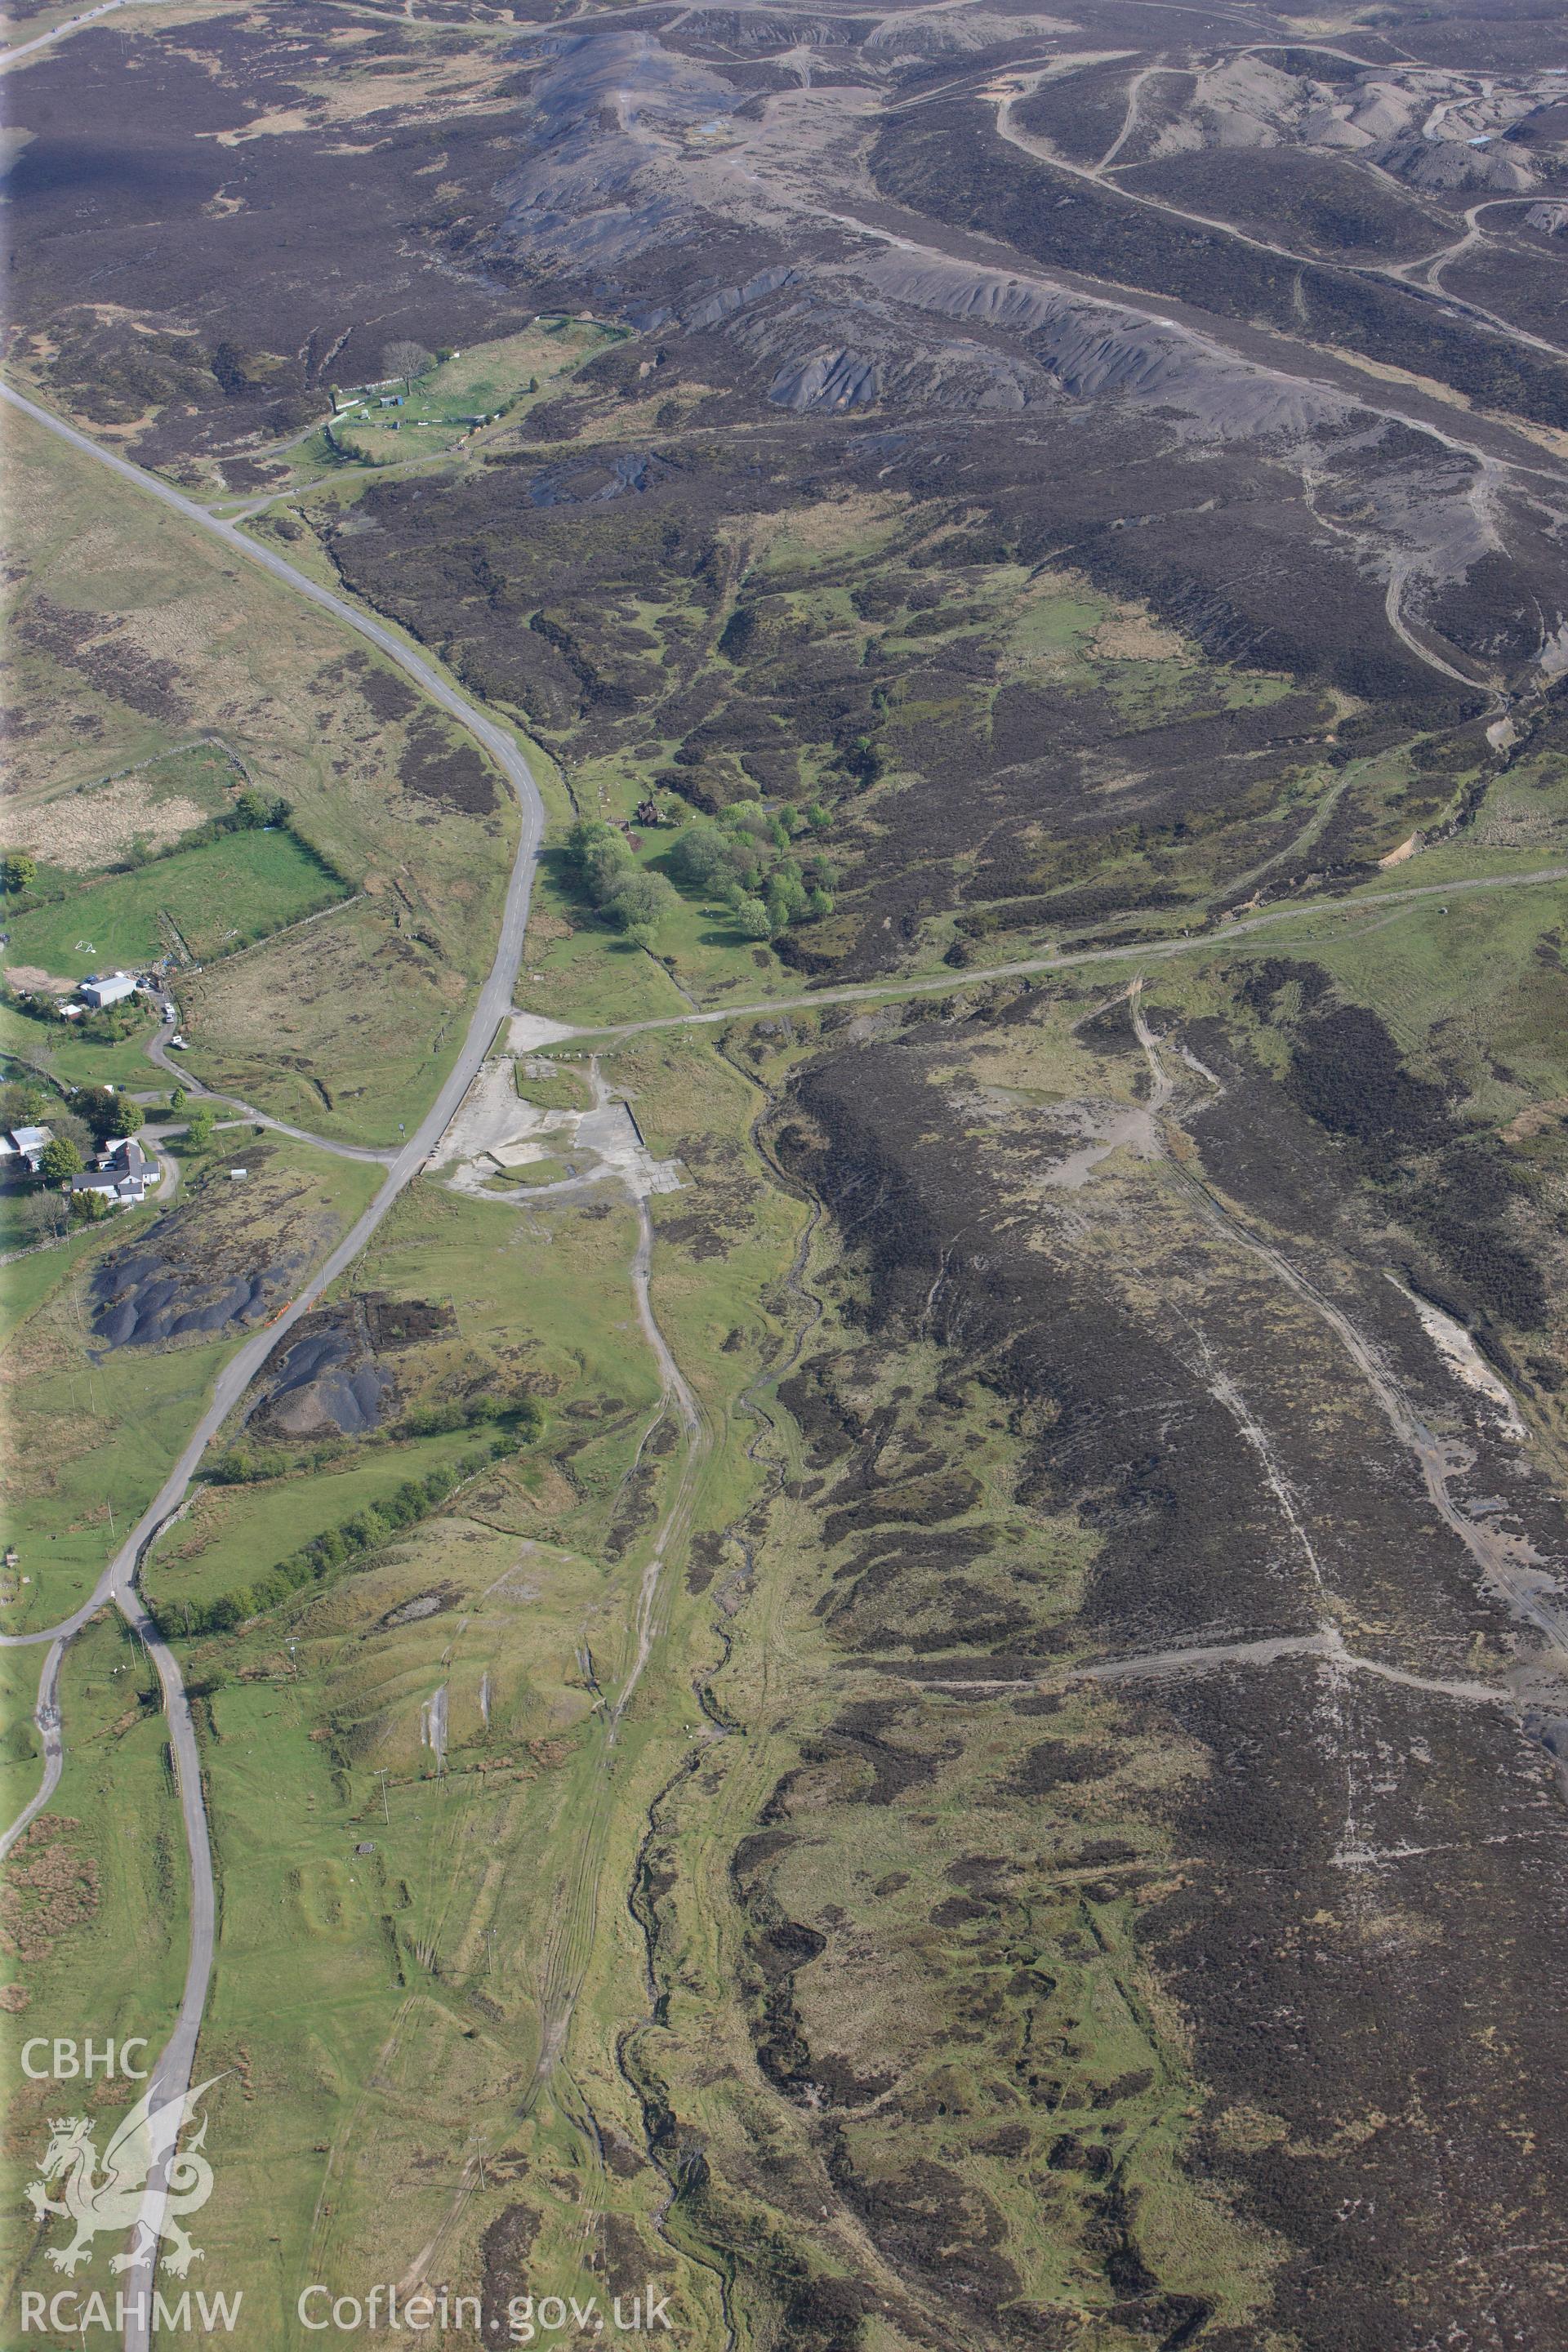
x,y
1493,1551
172,2075
158,1055
955,983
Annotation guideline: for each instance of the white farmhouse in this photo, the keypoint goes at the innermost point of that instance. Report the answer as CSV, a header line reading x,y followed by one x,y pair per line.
x,y
121,1173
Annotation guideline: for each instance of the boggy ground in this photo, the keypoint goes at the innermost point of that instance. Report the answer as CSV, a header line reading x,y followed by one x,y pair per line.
x,y
1137,1765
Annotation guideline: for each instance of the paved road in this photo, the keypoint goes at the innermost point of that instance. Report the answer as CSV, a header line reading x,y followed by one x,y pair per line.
x,y
117,1583
47,1716
71,24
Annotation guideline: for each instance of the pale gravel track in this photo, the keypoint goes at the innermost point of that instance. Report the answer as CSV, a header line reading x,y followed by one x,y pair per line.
x,y
1040,152
1492,1552
955,983
172,2075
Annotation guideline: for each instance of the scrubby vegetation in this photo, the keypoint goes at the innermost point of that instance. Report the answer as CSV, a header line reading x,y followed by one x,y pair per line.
x,y
338,1548
748,862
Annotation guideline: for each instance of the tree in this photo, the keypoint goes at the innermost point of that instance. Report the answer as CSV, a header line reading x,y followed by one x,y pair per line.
x,y
785,893
601,856
18,871
408,359
106,1112
753,920
64,1125
22,1105
38,1214
700,856
199,1129
59,1159
177,1101
253,808
640,904
87,1208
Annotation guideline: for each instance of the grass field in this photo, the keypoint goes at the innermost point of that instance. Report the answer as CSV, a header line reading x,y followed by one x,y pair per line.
x,y
106,818
219,897
232,1534
458,400
43,1047
92,1434
384,2002
135,629
346,1027
28,1283
543,1298
383,2010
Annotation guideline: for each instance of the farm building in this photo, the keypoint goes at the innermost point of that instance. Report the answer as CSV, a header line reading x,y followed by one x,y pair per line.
x,y
26,1144
121,1173
107,988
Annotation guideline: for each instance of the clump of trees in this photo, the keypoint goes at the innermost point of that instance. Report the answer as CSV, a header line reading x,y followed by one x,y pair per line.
x,y
750,860
18,872
634,900
24,1104
43,1211
521,1415
106,1113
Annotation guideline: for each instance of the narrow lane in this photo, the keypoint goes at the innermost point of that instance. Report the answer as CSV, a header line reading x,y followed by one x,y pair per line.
x,y
171,2075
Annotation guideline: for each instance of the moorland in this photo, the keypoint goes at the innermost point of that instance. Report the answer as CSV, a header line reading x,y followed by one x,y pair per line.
x,y
890,1657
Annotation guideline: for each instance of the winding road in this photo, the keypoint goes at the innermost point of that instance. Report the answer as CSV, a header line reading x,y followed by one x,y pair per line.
x,y
172,2075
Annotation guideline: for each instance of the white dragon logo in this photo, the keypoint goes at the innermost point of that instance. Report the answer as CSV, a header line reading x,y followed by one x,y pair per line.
x,y
120,2198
